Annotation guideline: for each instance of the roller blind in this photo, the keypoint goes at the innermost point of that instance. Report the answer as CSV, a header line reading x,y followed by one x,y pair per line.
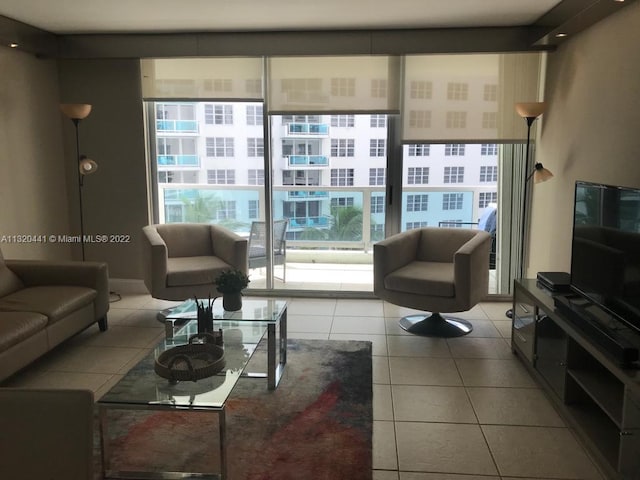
x,y
202,78
467,98
354,84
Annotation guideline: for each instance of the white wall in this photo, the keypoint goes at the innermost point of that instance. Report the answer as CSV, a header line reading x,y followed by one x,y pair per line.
x,y
33,190
591,130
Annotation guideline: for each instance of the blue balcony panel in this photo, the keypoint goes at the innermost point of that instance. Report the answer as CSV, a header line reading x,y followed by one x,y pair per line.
x,y
311,160
190,126
178,160
300,194
306,222
308,128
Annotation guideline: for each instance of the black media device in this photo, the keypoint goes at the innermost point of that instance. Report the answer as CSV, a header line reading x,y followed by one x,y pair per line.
x,y
605,265
554,281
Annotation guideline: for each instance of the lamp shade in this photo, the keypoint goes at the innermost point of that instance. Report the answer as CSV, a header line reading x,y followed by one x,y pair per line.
x,y
87,166
541,174
531,109
75,111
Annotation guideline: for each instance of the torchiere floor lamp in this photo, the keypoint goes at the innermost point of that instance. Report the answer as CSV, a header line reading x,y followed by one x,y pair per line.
x,y
77,112
529,111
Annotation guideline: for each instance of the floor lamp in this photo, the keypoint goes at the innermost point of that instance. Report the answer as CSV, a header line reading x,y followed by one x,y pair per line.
x,y
529,111
77,112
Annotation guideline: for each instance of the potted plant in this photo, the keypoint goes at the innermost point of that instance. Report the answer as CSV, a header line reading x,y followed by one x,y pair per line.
x,y
231,283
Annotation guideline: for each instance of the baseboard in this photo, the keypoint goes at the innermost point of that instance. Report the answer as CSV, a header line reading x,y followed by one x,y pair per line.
x,y
128,285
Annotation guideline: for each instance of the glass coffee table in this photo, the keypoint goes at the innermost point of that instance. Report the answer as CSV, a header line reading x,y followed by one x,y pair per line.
x,y
142,389
269,312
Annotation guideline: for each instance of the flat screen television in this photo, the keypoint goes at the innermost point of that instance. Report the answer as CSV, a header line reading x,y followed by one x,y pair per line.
x,y
605,250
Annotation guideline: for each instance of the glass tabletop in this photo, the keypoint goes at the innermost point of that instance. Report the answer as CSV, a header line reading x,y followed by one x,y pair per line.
x,y
260,310
143,387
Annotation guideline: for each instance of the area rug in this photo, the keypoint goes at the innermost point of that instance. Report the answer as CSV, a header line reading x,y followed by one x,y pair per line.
x,y
316,424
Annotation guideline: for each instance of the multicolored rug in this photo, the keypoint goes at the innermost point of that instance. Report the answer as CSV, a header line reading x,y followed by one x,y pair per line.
x,y
316,424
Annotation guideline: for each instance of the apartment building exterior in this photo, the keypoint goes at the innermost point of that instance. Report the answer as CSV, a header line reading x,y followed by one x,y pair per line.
x,y
209,162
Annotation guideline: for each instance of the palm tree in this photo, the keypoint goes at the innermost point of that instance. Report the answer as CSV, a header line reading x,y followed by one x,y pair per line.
x,y
346,224
200,209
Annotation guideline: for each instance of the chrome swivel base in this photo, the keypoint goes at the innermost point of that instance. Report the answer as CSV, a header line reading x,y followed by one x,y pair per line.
x,y
435,325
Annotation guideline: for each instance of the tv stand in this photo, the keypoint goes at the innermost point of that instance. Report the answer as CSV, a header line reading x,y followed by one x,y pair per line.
x,y
595,392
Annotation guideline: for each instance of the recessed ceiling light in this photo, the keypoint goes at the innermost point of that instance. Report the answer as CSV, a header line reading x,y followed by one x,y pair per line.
x,y
560,35
14,45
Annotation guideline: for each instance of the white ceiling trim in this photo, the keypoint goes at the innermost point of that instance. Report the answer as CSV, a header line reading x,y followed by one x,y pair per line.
x,y
169,16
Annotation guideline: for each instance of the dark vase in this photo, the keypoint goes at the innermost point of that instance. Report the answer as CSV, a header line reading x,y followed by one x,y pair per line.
x,y
232,301
205,322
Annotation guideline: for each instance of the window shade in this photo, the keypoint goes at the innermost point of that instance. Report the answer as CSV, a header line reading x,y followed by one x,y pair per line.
x,y
202,78
467,98
361,84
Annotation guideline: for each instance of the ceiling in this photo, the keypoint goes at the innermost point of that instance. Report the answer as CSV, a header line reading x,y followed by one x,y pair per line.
x,y
165,16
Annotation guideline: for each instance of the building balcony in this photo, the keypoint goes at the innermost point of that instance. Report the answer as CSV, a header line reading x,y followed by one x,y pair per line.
x,y
177,126
178,160
297,161
315,130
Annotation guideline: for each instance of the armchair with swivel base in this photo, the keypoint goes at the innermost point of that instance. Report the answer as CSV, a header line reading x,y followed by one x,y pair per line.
x,y
435,270
182,260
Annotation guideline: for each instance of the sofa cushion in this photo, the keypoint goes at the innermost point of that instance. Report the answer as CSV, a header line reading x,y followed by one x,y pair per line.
x,y
55,302
9,281
18,326
185,271
423,278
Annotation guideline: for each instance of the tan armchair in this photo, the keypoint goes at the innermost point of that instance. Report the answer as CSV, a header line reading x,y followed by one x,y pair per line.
x,y
181,260
433,269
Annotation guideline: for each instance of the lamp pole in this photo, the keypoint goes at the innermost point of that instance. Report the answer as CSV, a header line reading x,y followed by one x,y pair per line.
x,y
76,123
523,229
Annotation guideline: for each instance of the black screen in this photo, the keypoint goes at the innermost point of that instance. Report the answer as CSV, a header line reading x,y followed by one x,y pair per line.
x,y
605,251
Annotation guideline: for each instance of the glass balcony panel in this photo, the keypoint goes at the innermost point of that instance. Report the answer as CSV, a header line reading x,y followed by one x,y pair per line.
x,y
184,126
308,160
308,129
180,160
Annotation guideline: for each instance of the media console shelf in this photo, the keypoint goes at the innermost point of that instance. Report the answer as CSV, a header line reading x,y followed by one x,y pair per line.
x,y
595,393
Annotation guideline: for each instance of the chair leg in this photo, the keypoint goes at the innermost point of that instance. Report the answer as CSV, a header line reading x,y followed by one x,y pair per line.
x,y
435,325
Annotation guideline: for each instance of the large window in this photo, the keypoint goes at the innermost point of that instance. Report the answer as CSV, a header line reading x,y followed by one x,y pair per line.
x,y
342,177
418,175
454,149
452,201
453,174
220,147
417,203
489,173
376,176
221,177
376,147
342,147
218,114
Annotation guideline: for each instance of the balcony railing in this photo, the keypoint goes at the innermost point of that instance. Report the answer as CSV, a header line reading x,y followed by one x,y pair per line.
x,y
178,160
204,202
182,126
307,129
308,160
304,195
304,222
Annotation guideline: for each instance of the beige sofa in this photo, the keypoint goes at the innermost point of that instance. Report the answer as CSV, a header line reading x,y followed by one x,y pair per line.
x,y
182,260
42,303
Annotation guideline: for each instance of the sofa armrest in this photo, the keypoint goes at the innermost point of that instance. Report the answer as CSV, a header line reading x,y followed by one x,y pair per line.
x,y
154,258
392,253
93,275
471,267
230,247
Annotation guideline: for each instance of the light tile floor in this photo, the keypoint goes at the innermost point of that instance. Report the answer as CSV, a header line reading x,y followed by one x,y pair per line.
x,y
444,409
